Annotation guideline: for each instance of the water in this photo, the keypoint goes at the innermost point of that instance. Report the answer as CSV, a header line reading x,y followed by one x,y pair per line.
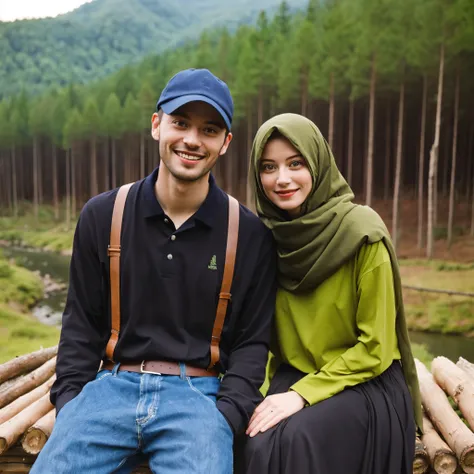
x,y
49,311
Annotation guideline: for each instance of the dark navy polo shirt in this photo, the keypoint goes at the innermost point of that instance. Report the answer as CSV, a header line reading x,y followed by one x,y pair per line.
x,y
170,280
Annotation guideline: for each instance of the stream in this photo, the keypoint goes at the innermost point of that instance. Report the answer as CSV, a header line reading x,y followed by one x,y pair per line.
x,y
49,310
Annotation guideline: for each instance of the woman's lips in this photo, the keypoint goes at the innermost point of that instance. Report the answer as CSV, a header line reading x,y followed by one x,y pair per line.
x,y
287,193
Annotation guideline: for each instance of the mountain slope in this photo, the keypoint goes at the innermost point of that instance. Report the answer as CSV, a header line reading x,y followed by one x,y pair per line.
x,y
104,35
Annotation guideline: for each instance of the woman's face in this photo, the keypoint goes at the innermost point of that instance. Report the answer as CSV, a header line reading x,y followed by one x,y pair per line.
x,y
284,175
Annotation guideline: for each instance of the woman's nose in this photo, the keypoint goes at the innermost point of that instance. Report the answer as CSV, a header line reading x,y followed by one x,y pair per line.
x,y
283,177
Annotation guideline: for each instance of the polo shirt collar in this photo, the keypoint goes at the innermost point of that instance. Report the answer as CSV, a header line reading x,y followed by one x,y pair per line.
x,y
205,214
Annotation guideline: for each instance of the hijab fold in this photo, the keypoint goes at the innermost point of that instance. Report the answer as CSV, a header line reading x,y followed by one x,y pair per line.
x,y
330,230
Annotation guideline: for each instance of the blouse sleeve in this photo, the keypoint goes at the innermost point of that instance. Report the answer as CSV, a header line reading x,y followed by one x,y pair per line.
x,y
376,345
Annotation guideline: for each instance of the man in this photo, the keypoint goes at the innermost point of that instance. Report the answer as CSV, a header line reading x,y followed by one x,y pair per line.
x,y
181,417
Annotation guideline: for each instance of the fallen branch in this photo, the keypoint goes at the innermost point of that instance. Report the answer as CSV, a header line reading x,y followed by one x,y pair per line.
x,y
458,436
11,430
28,382
440,454
436,290
457,384
37,435
26,363
25,401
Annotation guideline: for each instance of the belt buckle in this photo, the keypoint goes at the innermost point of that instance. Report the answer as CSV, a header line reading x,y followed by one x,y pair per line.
x,y
143,371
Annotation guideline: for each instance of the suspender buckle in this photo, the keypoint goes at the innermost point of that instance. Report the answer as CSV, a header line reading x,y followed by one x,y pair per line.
x,y
113,250
225,296
143,371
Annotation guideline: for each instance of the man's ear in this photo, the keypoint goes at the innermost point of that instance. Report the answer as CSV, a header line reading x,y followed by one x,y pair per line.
x,y
155,126
226,144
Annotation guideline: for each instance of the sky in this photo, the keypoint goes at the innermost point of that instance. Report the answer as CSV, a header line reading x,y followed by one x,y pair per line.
x,y
17,9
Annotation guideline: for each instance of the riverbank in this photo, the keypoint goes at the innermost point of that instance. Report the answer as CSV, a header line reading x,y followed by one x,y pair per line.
x,y
20,290
42,233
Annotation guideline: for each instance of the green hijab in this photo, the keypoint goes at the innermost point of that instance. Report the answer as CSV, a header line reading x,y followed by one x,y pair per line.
x,y
330,230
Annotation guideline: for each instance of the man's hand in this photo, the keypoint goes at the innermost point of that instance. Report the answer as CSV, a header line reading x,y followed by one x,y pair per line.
x,y
274,409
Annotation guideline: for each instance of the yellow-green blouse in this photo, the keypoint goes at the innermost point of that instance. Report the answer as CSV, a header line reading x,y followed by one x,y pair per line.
x,y
343,332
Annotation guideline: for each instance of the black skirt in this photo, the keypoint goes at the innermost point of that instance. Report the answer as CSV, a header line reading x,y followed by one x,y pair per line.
x,y
366,429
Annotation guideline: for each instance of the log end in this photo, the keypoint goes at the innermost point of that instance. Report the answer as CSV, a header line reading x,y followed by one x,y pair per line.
x,y
3,445
34,441
467,460
421,463
445,462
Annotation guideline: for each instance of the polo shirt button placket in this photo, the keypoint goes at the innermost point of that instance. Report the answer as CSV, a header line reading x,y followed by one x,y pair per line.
x,y
169,257
173,237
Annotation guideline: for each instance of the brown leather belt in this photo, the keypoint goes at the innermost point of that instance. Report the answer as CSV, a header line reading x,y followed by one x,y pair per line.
x,y
160,367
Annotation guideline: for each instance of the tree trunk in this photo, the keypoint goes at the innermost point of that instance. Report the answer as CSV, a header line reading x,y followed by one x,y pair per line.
x,y
453,162
370,145
398,164
36,436
304,93
433,170
26,363
14,182
260,106
142,154
54,154
94,188
28,382
441,456
421,163
388,153
114,163
331,112
458,436
106,164
73,181
35,178
68,188
350,142
248,190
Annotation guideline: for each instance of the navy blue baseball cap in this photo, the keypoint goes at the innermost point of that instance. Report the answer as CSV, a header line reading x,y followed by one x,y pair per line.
x,y
197,85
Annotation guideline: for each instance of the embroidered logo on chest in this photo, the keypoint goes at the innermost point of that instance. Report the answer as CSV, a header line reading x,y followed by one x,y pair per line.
x,y
212,264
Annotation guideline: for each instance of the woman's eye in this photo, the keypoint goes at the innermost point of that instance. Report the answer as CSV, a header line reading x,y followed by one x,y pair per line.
x,y
296,163
266,167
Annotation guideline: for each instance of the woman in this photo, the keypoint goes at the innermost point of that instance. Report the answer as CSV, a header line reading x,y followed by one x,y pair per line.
x,y
343,395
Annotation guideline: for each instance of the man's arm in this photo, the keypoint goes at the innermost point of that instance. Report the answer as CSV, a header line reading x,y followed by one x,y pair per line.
x,y
239,392
84,325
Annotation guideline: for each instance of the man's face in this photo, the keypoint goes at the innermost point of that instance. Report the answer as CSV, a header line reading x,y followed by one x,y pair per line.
x,y
191,140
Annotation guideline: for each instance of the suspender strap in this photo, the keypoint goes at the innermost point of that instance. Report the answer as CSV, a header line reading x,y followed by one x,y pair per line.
x,y
225,295
114,256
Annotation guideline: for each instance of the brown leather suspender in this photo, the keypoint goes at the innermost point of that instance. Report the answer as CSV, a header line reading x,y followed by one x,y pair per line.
x,y
114,256
224,295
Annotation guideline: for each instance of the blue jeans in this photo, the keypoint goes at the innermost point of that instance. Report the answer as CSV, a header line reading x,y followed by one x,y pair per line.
x,y
121,418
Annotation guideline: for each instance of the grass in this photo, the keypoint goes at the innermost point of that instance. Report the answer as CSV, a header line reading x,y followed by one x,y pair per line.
x,y
439,312
43,232
21,334
19,286
422,354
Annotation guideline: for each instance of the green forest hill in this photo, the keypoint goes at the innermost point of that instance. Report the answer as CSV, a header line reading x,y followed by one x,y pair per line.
x,y
102,36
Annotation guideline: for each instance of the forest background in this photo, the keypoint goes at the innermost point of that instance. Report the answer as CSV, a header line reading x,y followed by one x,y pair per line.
x,y
387,81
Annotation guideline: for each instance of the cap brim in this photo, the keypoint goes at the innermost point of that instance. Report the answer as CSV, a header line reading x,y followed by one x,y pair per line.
x,y
174,104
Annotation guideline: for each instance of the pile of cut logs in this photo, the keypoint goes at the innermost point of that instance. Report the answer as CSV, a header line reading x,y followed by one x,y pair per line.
x,y
446,447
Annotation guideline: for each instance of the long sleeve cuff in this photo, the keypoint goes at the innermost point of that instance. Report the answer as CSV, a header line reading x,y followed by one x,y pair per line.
x,y
232,415
61,400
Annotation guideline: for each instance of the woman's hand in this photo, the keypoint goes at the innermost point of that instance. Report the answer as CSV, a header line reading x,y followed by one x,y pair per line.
x,y
274,409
